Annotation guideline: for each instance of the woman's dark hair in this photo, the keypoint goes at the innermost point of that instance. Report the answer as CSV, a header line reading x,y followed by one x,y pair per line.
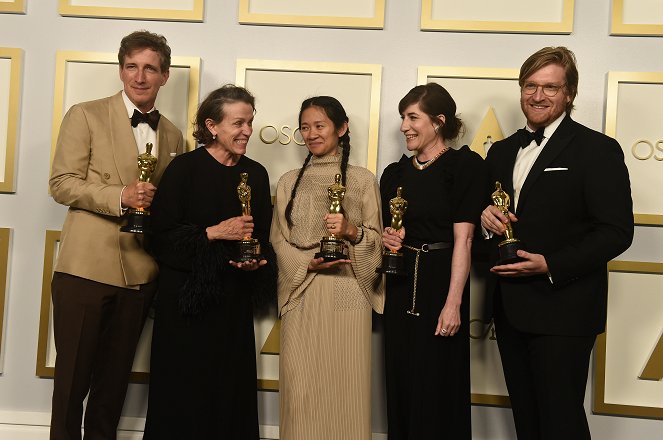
x,y
336,113
212,108
434,100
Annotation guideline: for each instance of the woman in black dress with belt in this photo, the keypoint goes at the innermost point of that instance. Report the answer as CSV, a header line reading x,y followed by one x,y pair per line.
x,y
427,311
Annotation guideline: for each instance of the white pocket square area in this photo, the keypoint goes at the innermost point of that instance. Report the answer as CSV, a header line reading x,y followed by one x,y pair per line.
x,y
556,169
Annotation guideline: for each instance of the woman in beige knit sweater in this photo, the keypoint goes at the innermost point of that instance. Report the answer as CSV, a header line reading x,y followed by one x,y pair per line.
x,y
325,306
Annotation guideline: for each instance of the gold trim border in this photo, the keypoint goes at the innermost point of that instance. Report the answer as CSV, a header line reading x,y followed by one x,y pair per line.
x,y
600,405
14,7
375,22
5,244
16,57
374,70
614,79
63,57
563,27
618,27
195,14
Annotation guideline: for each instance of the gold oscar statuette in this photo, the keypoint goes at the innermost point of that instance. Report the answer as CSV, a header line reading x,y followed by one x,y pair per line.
x,y
249,248
138,219
393,262
510,245
333,248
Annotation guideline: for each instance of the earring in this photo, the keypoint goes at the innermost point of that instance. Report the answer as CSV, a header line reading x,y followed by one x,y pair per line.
x,y
214,137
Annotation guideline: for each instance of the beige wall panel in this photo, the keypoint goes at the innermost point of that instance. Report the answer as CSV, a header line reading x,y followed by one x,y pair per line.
x,y
12,6
633,117
180,10
535,16
10,89
637,17
5,246
339,13
635,325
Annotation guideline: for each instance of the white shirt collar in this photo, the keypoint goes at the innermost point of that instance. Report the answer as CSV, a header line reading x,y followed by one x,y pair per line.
x,y
550,129
130,105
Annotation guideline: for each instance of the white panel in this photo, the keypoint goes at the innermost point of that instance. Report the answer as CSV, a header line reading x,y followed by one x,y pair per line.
x,y
316,8
503,10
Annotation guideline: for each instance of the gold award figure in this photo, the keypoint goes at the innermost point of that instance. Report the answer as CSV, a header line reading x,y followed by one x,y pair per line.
x,y
249,248
392,262
336,193
509,247
138,218
331,247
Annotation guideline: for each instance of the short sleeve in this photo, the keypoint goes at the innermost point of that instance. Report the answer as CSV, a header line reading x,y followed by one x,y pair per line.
x,y
469,187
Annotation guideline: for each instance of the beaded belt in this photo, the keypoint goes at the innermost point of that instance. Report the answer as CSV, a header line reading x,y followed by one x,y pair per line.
x,y
425,248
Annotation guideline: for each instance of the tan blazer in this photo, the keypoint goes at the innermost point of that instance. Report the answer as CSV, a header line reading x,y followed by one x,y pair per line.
x,y
95,158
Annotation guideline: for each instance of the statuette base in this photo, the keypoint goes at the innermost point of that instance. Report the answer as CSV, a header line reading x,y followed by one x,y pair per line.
x,y
393,263
332,249
508,251
138,221
248,249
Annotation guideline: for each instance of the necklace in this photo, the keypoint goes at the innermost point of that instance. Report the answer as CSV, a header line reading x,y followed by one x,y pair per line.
x,y
423,166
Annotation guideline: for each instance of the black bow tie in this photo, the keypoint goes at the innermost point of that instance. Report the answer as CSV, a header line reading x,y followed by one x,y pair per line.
x,y
526,137
151,119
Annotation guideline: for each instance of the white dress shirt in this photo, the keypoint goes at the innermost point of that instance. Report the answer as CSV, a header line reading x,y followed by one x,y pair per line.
x,y
527,156
143,133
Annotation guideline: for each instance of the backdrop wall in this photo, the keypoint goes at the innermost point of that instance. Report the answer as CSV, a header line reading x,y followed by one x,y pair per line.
x,y
219,41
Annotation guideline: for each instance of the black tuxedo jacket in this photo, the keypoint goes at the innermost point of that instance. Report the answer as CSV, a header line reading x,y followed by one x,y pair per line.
x,y
575,209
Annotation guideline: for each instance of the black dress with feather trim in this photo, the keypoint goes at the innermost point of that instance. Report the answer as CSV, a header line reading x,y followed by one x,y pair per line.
x,y
203,367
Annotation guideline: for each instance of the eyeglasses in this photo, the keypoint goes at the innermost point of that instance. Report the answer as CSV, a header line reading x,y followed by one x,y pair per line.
x,y
549,90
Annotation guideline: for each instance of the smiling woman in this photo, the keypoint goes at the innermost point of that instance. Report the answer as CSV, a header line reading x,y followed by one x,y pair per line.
x,y
325,306
203,325
426,322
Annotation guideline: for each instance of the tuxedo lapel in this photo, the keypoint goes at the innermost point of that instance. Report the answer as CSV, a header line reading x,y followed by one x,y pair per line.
x,y
125,150
557,143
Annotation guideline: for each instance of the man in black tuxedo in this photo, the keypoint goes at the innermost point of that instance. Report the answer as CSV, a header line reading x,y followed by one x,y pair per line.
x,y
572,210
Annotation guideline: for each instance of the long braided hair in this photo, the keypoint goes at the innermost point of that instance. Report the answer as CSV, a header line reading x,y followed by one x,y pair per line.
x,y
336,113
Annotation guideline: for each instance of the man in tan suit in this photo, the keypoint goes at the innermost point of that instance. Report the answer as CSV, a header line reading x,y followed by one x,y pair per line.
x,y
104,280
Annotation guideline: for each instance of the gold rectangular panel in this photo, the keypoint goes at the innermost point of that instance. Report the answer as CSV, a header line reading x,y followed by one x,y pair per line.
x,y
525,16
629,355
366,14
11,61
13,6
636,17
5,237
191,10
633,115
